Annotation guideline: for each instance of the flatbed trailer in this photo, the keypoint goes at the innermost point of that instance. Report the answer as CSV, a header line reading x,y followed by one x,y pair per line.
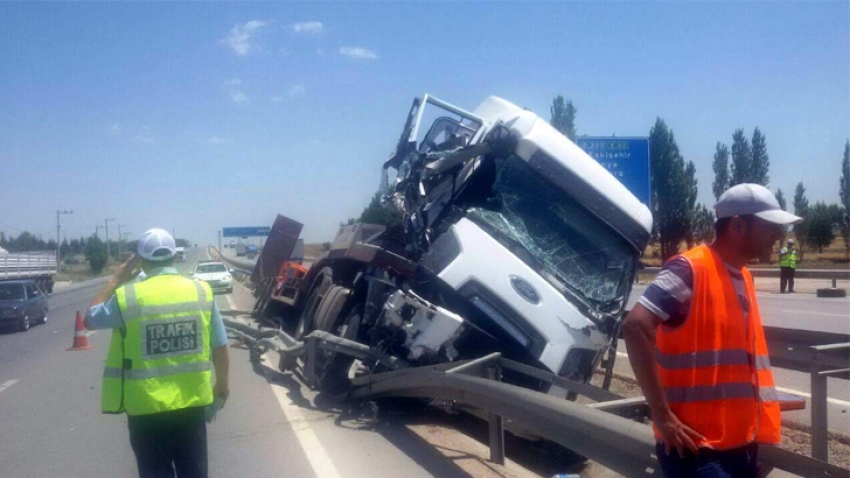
x,y
37,266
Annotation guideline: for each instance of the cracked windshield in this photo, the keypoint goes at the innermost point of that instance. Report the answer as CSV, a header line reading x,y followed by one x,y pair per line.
x,y
354,239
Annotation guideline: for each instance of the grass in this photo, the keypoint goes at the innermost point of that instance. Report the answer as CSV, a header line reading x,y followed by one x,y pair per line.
x,y
82,272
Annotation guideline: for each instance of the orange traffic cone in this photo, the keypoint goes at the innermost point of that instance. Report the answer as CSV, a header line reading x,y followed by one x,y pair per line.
x,y
81,341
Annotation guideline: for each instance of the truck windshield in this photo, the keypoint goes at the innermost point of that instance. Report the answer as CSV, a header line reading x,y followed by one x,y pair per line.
x,y
11,292
570,243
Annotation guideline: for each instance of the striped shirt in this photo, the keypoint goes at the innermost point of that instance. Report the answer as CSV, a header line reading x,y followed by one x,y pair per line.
x,y
669,295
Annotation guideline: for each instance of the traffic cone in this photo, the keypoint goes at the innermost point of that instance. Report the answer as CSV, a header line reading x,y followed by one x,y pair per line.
x,y
81,341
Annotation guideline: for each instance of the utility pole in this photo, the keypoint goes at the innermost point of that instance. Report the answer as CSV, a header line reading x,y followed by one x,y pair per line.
x,y
219,239
106,226
58,227
97,229
126,235
120,236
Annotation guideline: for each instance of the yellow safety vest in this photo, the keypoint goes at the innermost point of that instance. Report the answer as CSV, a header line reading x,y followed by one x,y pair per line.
x,y
789,259
160,360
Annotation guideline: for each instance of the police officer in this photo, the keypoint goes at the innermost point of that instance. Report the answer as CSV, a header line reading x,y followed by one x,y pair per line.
x,y
787,266
166,331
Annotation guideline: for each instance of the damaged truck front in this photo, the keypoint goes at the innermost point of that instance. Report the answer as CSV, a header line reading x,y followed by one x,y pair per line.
x,y
511,239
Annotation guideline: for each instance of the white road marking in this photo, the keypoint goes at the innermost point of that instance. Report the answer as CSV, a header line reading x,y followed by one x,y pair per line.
x,y
7,384
316,454
230,302
831,400
816,313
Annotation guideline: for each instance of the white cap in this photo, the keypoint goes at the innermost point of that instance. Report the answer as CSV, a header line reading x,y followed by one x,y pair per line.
x,y
156,245
753,199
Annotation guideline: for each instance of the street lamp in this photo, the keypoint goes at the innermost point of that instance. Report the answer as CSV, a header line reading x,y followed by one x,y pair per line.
x,y
106,225
58,227
97,229
119,237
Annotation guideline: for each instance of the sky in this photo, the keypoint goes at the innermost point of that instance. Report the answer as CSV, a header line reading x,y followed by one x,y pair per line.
x,y
198,116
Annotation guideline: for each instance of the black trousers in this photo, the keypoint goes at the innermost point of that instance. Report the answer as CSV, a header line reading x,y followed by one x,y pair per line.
x,y
170,444
786,278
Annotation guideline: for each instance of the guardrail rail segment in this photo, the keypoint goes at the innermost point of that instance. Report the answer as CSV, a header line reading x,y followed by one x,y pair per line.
x,y
612,432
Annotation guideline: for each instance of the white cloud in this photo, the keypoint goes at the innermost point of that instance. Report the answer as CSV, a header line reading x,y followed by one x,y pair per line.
x,y
143,138
297,90
277,99
358,52
320,52
312,28
234,87
238,96
241,36
116,127
216,140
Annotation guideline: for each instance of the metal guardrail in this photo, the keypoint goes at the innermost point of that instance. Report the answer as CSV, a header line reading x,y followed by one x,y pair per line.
x,y
599,431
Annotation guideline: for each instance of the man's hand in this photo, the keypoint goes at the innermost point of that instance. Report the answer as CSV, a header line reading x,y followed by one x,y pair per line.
x,y
128,270
221,390
676,434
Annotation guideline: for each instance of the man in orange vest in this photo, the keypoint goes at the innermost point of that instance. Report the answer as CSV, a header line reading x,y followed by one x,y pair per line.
x,y
696,345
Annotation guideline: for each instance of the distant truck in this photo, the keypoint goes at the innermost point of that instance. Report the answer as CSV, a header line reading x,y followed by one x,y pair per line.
x,y
180,254
39,267
241,249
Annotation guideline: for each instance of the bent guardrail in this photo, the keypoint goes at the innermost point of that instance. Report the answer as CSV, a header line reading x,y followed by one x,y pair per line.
x,y
599,431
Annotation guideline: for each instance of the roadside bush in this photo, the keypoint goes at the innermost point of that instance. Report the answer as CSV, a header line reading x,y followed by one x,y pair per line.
x,y
96,254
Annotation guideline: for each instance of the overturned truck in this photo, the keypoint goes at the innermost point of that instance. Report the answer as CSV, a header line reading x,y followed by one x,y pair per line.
x,y
512,240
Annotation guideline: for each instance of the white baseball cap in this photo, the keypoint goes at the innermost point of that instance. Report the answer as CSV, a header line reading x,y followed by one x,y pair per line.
x,y
157,245
753,199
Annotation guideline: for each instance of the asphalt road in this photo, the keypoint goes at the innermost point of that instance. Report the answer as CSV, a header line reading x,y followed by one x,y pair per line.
x,y
51,425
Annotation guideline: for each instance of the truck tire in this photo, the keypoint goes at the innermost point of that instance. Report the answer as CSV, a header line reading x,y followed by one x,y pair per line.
x,y
333,367
314,299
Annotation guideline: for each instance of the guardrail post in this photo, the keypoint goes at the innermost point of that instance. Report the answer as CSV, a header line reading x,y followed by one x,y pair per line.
x,y
496,425
820,431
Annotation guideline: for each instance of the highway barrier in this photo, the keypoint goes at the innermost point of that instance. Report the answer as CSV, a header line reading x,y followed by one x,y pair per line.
x,y
614,431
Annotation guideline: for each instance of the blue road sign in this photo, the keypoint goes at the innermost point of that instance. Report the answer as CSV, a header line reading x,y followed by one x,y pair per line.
x,y
625,158
261,231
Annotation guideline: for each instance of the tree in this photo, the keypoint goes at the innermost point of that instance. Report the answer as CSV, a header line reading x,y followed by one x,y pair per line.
x,y
760,161
65,248
564,117
742,158
326,246
801,208
691,200
702,229
96,254
844,194
721,170
669,190
376,213
821,226
780,198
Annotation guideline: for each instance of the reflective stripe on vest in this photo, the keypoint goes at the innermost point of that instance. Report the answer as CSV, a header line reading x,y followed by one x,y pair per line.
x,y
715,367
710,358
161,361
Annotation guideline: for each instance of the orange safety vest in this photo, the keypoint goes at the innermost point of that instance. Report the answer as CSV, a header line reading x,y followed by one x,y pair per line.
x,y
715,368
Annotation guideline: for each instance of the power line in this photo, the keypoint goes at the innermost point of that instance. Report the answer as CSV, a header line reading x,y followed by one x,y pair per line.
x,y
9,225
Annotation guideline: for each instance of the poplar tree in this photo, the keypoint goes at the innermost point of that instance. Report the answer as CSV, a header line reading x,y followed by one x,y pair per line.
x,y
801,208
844,194
760,161
742,158
564,117
669,185
721,170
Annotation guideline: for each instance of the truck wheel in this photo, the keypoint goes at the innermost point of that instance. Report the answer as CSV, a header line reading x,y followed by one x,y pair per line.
x,y
333,367
314,299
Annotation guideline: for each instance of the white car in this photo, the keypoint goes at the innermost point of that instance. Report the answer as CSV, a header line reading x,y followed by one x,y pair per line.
x,y
216,274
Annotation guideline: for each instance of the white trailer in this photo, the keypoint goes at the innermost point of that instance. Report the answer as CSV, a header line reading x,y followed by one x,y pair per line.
x,y
38,266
